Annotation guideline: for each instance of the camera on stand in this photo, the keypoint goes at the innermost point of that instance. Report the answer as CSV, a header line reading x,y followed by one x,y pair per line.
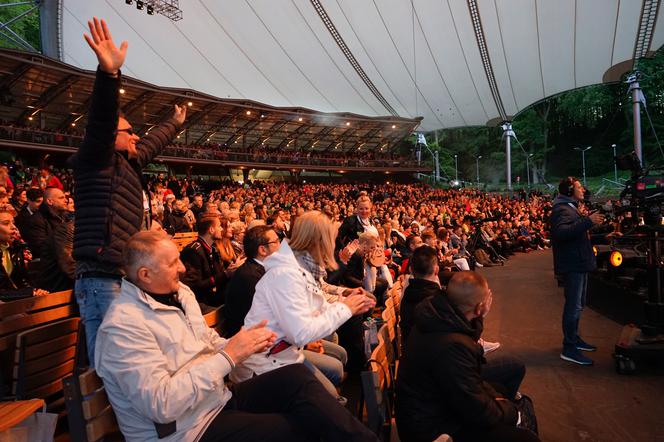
x,y
642,206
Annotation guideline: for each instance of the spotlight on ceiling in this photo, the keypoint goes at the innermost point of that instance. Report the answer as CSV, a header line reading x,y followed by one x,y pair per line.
x,y
129,2
139,5
150,10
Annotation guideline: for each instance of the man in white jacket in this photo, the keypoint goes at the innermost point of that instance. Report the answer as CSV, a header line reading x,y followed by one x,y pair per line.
x,y
163,368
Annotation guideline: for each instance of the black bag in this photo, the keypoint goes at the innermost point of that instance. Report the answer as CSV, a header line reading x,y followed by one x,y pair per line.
x,y
528,419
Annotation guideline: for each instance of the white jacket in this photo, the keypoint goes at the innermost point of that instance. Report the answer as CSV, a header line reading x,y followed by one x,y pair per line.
x,y
160,365
295,308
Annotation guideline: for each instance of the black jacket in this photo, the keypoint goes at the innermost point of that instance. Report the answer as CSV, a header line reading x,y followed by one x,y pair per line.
x,y
439,387
349,230
240,294
57,270
16,285
353,275
417,291
108,188
570,238
205,274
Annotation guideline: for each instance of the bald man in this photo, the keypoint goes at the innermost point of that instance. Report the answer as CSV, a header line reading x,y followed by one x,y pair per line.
x,y
451,396
50,214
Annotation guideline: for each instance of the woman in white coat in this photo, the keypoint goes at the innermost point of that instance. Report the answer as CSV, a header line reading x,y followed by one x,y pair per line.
x,y
290,296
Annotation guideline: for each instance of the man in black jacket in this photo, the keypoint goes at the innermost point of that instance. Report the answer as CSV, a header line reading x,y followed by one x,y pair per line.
x,y
42,224
205,273
440,389
573,258
25,218
259,243
109,192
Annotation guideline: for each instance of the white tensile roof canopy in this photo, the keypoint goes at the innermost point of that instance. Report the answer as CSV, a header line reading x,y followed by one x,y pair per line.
x,y
454,62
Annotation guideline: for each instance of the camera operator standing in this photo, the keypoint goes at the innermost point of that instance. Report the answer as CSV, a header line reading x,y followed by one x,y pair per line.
x,y
573,259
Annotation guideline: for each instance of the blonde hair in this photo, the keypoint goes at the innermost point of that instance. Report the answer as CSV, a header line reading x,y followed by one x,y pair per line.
x,y
363,198
367,237
314,232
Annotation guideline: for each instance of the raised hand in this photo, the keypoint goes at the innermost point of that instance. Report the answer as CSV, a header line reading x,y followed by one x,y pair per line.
x,y
109,56
179,114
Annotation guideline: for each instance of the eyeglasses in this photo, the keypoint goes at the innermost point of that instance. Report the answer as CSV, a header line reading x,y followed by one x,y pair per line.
x,y
128,130
276,241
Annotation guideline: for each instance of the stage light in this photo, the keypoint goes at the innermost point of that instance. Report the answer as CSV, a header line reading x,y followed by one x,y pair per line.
x,y
129,2
594,250
150,10
122,91
139,5
394,126
248,112
190,104
73,125
615,258
299,119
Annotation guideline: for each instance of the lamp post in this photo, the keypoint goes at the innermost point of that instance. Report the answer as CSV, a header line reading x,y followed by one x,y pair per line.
x,y
528,157
583,160
477,163
456,168
615,164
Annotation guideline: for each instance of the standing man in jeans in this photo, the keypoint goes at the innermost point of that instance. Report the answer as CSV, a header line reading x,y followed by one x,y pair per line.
x,y
573,258
109,192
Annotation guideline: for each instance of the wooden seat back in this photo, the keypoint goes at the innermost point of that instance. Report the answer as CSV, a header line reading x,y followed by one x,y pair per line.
x,y
25,314
43,357
376,385
215,319
91,417
181,240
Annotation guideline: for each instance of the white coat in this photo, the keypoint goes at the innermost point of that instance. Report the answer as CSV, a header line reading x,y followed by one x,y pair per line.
x,y
288,297
160,365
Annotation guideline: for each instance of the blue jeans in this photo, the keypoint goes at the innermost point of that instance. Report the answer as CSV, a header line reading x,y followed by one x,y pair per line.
x,y
575,285
94,296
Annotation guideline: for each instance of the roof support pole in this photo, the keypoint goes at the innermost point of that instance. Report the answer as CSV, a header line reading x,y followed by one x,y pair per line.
x,y
637,99
508,133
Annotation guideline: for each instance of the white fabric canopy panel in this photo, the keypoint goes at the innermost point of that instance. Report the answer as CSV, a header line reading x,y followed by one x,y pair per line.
x,y
419,58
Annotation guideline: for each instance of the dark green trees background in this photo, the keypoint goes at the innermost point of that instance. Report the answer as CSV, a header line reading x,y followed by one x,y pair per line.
x,y
596,116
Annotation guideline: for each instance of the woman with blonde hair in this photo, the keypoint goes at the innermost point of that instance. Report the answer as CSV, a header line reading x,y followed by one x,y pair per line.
x,y
290,297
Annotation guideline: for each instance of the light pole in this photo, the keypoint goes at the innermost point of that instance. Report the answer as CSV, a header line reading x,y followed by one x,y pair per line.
x,y
456,168
528,157
615,164
583,160
477,163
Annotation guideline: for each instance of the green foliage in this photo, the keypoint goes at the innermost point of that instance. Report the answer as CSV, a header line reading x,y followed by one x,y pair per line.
x,y
27,27
597,116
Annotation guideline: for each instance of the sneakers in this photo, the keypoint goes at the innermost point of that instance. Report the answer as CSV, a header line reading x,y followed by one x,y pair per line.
x,y
477,264
574,355
583,345
488,346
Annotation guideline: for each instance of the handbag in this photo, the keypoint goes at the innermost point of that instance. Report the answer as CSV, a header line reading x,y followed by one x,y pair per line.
x,y
527,410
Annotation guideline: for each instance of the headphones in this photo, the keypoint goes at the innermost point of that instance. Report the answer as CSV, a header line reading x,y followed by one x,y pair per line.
x,y
566,186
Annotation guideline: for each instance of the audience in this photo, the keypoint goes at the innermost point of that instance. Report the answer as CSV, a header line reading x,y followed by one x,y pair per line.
x,y
163,368
450,396
290,296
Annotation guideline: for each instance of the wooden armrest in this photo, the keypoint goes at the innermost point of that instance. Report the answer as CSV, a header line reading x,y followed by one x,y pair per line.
x,y
13,413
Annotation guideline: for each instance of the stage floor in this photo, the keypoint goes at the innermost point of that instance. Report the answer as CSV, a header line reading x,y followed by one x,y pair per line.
x,y
573,403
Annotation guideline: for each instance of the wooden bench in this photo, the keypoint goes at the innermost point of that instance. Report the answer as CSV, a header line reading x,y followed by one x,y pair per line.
x,y
91,417
376,385
23,315
13,413
43,357
181,240
215,319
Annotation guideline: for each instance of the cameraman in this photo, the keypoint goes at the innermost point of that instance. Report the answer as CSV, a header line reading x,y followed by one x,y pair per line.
x,y
573,258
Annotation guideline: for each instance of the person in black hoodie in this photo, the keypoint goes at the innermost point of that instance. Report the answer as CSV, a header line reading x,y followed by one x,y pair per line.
x,y
440,389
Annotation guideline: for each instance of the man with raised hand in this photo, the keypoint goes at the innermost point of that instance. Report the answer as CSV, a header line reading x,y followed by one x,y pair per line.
x,y
109,190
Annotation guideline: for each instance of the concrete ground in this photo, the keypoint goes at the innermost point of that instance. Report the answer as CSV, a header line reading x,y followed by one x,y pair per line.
x,y
573,403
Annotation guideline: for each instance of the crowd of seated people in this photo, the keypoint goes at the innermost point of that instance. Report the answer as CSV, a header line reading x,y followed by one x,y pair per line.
x,y
374,235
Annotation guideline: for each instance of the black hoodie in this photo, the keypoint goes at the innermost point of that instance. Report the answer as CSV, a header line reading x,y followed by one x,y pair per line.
x,y
440,388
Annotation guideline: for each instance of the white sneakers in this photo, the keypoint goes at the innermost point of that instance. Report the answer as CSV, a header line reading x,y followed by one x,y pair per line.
x,y
488,346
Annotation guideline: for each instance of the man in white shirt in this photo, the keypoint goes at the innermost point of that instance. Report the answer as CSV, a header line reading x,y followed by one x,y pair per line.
x,y
163,368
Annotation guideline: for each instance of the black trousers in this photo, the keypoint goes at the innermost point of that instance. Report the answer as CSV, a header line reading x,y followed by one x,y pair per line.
x,y
505,373
286,404
499,433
